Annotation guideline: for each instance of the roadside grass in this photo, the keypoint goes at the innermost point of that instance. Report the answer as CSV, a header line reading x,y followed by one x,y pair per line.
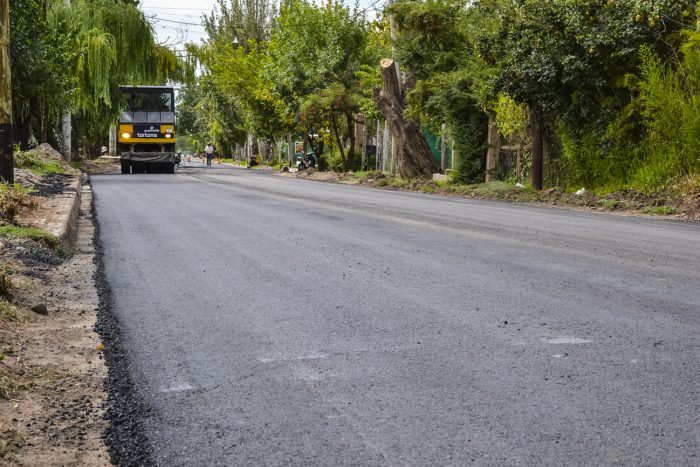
x,y
9,313
496,188
688,184
31,233
660,210
611,204
32,162
5,281
682,198
12,198
398,182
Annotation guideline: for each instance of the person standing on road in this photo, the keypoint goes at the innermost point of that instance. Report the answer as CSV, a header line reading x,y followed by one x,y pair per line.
x,y
209,151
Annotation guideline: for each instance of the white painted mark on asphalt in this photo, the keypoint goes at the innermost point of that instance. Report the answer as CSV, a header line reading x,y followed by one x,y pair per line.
x,y
177,388
566,340
288,358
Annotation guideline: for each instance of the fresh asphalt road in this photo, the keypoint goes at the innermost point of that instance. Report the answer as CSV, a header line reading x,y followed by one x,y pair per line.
x,y
278,321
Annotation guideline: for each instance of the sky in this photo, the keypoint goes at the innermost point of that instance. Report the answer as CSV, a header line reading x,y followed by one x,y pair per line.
x,y
168,16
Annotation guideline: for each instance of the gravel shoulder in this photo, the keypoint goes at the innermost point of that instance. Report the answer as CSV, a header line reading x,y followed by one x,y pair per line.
x,y
682,203
52,372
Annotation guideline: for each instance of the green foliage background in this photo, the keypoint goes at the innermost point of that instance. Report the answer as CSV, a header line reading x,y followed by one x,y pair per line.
x,y
618,81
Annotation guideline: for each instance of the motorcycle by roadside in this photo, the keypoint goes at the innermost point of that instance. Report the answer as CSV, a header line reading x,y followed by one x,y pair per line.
x,y
306,161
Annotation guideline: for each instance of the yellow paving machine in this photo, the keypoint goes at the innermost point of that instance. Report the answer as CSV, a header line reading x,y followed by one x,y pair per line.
x,y
146,136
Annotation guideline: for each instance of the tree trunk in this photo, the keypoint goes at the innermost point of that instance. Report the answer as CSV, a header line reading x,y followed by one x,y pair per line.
x,y
359,133
494,142
66,130
536,124
44,122
413,156
7,162
339,141
254,146
350,121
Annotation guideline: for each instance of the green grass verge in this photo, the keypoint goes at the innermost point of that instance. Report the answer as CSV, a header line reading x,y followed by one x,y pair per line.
x,y
609,203
38,235
660,210
33,163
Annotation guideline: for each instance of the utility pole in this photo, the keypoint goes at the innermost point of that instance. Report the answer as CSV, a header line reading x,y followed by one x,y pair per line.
x,y
112,149
66,123
7,162
494,145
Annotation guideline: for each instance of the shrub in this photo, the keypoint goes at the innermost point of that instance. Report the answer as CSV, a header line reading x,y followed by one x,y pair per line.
x,y
12,198
5,282
8,312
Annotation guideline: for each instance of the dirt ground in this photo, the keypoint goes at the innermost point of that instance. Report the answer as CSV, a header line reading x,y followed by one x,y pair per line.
x,y
51,369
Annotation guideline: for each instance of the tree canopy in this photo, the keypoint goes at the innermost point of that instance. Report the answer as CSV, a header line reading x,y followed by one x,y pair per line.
x,y
74,57
608,86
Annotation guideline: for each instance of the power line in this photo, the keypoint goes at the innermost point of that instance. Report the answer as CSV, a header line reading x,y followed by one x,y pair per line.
x,y
176,8
155,18
370,6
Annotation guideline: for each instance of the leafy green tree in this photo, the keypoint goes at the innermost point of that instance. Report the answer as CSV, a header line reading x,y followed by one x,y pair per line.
x,y
315,53
112,43
669,102
573,61
40,80
436,53
233,56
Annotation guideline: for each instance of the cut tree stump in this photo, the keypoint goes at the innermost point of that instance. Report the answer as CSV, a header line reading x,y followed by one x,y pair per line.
x,y
413,156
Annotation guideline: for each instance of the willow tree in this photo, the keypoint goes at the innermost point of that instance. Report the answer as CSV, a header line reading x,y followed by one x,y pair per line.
x,y
111,43
234,93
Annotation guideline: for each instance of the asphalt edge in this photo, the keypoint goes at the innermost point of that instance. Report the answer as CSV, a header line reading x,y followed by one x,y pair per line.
x,y
125,435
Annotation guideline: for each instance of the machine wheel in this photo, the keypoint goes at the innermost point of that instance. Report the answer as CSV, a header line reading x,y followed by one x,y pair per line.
x,y
126,167
169,168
